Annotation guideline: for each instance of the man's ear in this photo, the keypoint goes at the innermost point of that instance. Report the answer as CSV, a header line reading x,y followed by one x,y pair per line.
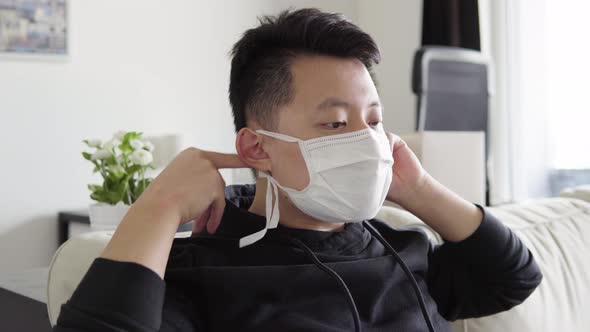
x,y
250,151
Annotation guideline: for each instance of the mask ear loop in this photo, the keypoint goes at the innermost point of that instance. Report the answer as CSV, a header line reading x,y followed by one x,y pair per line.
x,y
282,137
272,213
273,222
272,210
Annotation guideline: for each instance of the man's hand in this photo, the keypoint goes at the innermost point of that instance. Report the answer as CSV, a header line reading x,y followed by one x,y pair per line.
x,y
192,187
408,174
415,190
189,188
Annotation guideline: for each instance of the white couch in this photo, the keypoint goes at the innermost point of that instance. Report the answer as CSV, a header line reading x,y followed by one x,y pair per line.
x,y
556,230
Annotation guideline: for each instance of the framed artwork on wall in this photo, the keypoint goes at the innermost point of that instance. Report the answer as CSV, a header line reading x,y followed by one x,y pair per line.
x,y
34,28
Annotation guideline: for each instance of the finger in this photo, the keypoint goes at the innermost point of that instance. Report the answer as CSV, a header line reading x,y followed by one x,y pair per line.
x,y
200,223
217,209
399,144
225,160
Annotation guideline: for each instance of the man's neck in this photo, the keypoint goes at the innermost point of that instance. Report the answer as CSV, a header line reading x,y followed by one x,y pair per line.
x,y
290,216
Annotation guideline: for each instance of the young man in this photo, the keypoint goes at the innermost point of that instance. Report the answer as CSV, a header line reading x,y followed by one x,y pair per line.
x,y
300,250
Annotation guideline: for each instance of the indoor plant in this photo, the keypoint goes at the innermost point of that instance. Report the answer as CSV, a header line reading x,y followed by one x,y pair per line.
x,y
122,163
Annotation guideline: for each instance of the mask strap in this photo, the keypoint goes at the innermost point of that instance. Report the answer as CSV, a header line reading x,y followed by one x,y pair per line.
x,y
272,213
282,137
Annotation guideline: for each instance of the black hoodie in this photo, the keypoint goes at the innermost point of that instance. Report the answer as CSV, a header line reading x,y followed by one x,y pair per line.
x,y
286,281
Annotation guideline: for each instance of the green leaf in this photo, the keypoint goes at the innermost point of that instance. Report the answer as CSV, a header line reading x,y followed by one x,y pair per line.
x,y
111,161
125,148
133,169
126,200
100,196
109,183
117,172
94,187
139,189
132,135
87,156
120,189
111,196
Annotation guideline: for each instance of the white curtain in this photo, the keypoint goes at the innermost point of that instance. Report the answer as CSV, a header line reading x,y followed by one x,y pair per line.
x,y
513,35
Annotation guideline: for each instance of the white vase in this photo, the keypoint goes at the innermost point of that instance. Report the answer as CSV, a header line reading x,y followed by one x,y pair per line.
x,y
106,217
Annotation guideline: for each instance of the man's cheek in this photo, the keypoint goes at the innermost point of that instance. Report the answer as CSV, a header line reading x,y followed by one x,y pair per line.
x,y
290,169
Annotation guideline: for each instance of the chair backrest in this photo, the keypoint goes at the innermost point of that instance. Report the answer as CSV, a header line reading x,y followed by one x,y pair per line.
x,y
453,87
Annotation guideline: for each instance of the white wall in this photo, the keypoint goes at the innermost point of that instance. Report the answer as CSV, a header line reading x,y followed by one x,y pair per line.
x,y
155,66
396,26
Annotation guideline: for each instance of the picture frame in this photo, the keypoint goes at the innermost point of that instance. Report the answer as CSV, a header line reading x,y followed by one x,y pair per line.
x,y
34,29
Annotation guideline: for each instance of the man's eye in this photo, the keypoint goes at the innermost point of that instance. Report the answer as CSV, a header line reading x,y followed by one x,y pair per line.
x,y
336,125
375,123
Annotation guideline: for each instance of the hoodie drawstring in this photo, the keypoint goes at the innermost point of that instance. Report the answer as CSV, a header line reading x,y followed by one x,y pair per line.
x,y
342,284
409,274
333,274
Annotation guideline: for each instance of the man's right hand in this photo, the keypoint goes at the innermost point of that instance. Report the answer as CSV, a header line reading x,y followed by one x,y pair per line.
x,y
192,187
189,188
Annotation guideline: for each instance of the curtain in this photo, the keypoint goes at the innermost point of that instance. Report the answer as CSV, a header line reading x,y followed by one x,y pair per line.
x,y
518,118
451,23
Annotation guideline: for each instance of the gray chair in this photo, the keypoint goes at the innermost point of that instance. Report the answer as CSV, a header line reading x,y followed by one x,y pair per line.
x,y
453,86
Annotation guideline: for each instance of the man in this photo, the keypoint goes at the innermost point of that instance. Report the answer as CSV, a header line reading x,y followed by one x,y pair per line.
x,y
300,250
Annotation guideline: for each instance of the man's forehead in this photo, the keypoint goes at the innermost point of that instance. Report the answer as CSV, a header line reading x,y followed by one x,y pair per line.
x,y
329,82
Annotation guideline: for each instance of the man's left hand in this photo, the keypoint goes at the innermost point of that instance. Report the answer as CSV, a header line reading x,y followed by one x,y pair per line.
x,y
408,174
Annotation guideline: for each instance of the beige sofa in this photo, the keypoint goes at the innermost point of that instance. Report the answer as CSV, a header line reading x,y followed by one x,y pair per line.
x,y
556,230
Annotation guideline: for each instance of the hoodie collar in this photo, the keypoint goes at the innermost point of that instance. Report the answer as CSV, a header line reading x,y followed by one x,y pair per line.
x,y
237,222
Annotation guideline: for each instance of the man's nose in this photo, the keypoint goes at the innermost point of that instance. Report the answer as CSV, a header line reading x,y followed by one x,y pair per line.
x,y
358,123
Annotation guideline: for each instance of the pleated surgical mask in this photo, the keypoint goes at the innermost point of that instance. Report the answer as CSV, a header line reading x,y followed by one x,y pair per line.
x,y
349,177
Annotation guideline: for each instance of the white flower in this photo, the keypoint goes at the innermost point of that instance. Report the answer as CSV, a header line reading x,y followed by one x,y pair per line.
x,y
136,144
94,143
117,169
148,145
101,154
112,144
141,157
120,135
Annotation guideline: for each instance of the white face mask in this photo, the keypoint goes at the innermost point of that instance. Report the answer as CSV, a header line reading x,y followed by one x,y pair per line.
x,y
349,177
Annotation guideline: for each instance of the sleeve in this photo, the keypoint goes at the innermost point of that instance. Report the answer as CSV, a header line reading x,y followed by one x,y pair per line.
x,y
488,272
121,296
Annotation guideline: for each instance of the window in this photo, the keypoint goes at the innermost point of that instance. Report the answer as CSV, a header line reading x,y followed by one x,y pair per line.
x,y
567,80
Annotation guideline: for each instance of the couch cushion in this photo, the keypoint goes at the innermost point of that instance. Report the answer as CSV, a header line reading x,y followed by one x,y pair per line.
x,y
557,232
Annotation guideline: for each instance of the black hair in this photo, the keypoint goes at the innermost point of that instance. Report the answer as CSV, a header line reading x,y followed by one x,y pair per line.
x,y
261,80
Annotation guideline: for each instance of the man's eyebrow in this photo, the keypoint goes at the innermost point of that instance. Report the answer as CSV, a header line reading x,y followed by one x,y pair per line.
x,y
336,102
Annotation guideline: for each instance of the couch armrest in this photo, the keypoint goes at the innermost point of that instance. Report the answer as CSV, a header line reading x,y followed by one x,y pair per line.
x,y
70,263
